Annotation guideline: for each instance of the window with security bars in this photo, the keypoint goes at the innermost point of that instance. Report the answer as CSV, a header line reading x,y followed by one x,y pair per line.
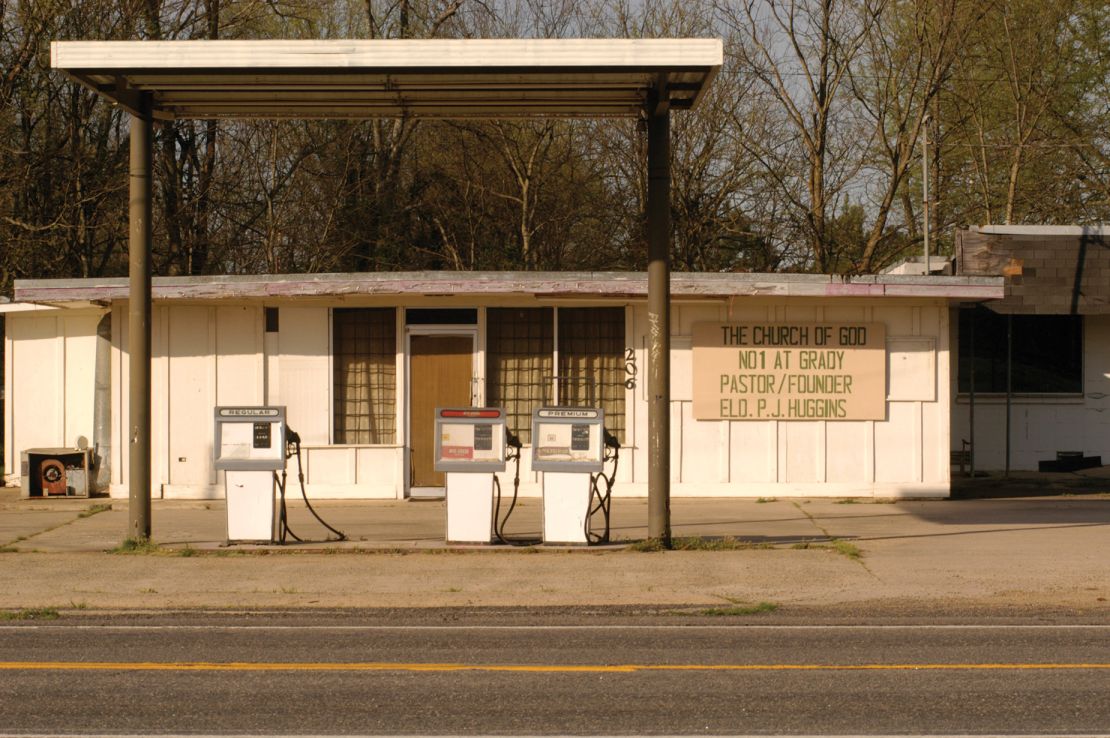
x,y
591,362
520,346
365,359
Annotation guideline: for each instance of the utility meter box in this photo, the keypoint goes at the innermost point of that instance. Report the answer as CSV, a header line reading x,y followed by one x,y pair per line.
x,y
568,439
55,472
250,438
470,448
470,439
249,447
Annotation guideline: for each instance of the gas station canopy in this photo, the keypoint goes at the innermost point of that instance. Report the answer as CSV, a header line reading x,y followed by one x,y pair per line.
x,y
439,78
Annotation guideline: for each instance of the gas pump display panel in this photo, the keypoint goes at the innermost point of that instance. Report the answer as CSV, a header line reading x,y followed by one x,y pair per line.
x,y
567,439
470,439
250,438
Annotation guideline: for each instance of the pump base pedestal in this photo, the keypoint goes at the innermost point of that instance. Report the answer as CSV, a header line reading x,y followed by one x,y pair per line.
x,y
566,503
251,510
469,507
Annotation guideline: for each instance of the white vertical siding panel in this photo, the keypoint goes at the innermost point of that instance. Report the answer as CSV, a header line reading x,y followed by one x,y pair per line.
x,y
239,356
676,441
192,394
161,389
80,376
639,435
682,369
37,374
631,409
846,453
120,405
12,465
303,339
705,448
753,457
844,313
803,453
897,442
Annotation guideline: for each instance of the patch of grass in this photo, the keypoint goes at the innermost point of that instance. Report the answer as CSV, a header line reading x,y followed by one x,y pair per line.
x,y
761,500
845,548
79,605
851,550
738,609
95,509
187,551
8,550
136,546
148,591
35,613
698,543
650,545
847,501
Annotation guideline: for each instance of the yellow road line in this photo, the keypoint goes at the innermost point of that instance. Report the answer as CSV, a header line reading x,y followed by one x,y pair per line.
x,y
535,668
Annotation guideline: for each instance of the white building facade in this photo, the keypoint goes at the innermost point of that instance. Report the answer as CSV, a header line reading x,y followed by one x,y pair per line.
x,y
361,361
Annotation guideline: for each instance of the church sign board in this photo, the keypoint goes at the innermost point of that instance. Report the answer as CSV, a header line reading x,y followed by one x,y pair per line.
x,y
789,371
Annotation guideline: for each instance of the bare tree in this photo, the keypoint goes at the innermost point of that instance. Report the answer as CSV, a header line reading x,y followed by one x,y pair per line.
x,y
801,55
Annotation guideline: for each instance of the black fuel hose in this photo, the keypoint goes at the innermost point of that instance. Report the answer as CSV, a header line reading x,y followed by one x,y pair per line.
x,y
514,445
604,499
292,437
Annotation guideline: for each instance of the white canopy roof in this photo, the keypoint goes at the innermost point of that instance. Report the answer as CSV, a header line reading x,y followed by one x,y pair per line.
x,y
487,78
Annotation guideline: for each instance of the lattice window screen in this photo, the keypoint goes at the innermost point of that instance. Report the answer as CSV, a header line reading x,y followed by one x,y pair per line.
x,y
519,363
591,362
365,348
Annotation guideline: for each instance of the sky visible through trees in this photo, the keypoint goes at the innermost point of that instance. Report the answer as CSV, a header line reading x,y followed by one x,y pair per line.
x,y
804,156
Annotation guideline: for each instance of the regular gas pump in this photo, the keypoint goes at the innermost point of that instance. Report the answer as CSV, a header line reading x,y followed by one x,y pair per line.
x,y
252,444
470,448
249,448
571,446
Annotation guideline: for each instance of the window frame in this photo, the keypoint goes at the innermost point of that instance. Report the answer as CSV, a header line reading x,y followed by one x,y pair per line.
x,y
995,394
335,367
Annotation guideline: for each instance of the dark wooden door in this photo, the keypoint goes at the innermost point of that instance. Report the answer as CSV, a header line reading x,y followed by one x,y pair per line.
x,y
440,371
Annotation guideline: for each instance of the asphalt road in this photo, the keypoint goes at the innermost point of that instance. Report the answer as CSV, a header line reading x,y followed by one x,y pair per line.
x,y
592,674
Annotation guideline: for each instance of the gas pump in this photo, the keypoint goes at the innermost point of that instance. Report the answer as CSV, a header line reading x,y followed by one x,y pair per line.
x,y
249,447
570,446
469,448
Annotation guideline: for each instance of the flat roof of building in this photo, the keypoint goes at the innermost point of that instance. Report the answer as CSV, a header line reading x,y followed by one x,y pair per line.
x,y
543,285
1099,229
444,78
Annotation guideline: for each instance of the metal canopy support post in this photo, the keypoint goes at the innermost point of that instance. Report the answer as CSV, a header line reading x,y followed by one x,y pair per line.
x,y
138,339
1009,384
659,315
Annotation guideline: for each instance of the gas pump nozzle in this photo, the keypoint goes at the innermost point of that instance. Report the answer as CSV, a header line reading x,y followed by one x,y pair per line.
x,y
512,440
611,440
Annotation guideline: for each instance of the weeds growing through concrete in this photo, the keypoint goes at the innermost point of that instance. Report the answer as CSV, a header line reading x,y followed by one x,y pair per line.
x,y
35,613
95,509
698,543
136,546
739,609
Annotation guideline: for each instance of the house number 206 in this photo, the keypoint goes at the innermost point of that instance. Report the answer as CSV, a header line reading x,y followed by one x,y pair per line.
x,y
630,368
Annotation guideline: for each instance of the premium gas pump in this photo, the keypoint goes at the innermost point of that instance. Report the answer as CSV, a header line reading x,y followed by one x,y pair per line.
x,y
570,446
470,448
249,447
